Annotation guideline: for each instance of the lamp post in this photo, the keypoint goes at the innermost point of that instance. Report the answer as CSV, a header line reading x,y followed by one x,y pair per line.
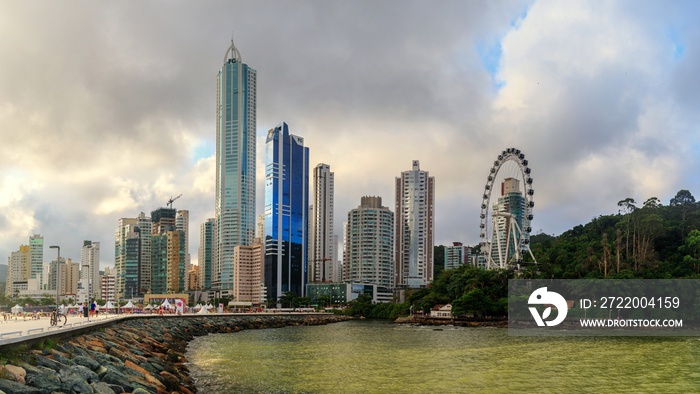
x,y
58,272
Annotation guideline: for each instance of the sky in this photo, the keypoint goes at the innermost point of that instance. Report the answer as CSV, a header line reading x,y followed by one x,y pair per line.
x,y
107,109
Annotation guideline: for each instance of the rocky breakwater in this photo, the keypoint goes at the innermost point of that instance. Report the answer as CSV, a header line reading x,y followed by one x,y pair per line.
x,y
140,355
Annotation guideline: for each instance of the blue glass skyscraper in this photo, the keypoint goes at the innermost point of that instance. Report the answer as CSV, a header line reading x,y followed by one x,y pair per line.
x,y
235,165
286,212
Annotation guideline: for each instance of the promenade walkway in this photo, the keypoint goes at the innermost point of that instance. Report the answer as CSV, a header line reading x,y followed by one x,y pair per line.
x,y
18,329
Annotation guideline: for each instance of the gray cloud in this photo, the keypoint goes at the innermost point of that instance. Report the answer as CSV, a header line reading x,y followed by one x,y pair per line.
x,y
103,106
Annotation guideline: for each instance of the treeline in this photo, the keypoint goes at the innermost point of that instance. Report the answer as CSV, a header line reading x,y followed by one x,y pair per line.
x,y
647,240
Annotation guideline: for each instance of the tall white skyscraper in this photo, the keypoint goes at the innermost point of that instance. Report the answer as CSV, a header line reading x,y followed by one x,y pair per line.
x,y
369,244
415,217
321,240
182,223
36,250
90,267
235,165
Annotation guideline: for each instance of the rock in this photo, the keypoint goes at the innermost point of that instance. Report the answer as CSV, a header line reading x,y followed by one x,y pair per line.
x,y
171,381
112,376
48,381
9,386
104,388
48,363
86,362
18,374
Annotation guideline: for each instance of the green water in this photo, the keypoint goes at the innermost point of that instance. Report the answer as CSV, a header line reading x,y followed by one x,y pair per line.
x,y
375,357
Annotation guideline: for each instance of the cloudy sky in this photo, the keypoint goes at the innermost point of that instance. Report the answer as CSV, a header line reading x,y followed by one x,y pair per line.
x,y
107,109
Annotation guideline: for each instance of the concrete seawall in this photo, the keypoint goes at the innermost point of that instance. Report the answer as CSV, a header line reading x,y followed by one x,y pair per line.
x,y
142,354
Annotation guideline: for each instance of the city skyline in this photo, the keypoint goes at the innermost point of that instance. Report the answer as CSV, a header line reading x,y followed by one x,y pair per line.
x,y
109,118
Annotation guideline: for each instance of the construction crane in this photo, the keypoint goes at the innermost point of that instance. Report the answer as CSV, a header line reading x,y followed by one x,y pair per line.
x,y
170,202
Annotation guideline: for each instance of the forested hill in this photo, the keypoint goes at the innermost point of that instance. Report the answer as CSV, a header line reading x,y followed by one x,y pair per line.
x,y
648,240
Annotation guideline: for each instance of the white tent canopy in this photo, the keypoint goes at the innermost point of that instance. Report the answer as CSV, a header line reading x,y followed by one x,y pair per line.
x,y
209,306
198,306
203,311
148,307
166,304
109,305
129,305
17,309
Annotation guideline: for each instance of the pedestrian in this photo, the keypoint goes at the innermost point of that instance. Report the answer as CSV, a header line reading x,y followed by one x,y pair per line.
x,y
80,309
93,306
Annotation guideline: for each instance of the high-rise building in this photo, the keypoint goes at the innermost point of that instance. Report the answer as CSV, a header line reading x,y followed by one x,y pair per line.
x,y
127,257
18,269
36,250
90,267
235,164
456,255
247,272
205,253
286,212
508,219
415,217
369,244
72,278
167,253
321,239
107,282
182,223
145,227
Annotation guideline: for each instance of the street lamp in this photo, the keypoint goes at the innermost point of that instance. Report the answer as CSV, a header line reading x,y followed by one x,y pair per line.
x,y
58,272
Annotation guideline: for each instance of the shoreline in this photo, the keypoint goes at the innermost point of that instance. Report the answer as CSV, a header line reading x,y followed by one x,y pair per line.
x,y
427,321
144,355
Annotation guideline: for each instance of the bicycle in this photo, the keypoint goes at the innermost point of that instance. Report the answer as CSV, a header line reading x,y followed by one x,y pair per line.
x,y
57,318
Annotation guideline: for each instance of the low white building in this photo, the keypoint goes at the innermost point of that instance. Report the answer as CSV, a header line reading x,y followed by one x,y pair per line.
x,y
441,311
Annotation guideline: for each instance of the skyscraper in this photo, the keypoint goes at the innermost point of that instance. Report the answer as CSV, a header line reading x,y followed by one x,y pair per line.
x,y
247,272
235,164
167,253
508,216
321,240
90,267
286,212
369,244
415,216
182,223
18,269
127,257
36,250
205,253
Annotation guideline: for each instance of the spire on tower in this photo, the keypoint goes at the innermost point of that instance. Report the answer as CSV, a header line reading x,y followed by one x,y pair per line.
x,y
232,53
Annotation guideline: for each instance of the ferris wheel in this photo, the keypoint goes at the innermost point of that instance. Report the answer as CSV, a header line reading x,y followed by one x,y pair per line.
x,y
506,214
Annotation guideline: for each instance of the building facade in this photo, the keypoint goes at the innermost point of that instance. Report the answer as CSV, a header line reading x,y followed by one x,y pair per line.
x,y
182,223
107,282
286,212
508,218
322,257
369,244
168,258
247,272
414,234
205,253
456,255
18,270
90,267
235,165
36,250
